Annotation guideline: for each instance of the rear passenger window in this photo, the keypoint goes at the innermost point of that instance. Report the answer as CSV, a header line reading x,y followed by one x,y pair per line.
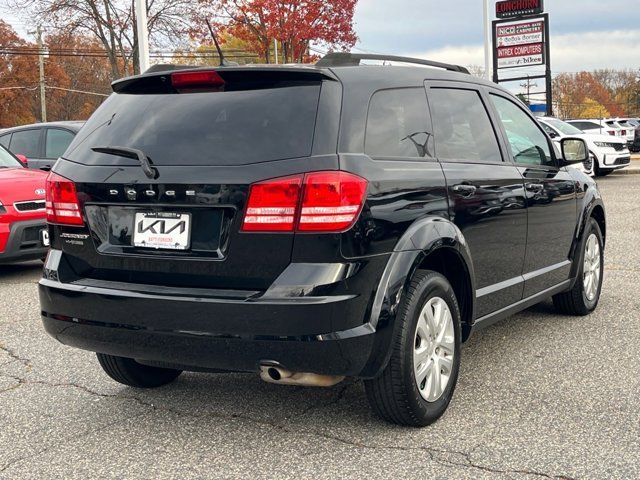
x,y
462,128
398,124
25,143
57,142
585,125
4,140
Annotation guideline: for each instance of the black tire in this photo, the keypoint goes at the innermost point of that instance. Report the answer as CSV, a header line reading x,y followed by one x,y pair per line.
x,y
597,171
129,372
394,394
575,301
601,172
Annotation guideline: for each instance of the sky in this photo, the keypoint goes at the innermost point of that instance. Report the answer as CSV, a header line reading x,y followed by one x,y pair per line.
x,y
585,34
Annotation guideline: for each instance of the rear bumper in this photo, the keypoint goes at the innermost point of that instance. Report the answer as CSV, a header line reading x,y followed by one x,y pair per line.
x,y
307,334
21,241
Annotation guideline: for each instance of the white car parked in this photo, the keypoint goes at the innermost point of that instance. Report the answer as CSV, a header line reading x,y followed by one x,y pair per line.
x,y
633,138
609,152
627,132
597,126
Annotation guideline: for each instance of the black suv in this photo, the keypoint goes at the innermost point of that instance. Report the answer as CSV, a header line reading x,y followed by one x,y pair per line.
x,y
311,223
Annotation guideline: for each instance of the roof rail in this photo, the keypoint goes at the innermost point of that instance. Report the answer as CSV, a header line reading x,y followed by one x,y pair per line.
x,y
341,59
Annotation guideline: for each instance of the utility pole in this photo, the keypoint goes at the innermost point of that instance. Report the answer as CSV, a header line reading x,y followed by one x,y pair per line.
x,y
143,35
528,84
275,47
43,99
487,41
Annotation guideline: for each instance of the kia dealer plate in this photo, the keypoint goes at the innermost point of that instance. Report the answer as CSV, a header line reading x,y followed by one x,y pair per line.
x,y
165,230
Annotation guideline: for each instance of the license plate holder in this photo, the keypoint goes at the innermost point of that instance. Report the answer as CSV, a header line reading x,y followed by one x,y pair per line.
x,y
162,230
44,237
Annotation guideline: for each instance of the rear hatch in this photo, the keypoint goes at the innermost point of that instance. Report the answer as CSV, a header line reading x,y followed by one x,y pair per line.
x,y
179,224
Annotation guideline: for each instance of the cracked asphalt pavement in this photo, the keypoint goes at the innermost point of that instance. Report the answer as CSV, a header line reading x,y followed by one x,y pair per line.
x,y
539,396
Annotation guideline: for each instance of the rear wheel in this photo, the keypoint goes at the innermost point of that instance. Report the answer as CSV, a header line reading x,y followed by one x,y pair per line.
x,y
583,298
129,372
417,385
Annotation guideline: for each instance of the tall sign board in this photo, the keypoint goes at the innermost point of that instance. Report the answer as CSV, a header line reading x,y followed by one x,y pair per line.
x,y
520,41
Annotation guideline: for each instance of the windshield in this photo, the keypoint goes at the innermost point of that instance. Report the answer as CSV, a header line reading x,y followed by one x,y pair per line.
x,y
210,128
563,127
7,160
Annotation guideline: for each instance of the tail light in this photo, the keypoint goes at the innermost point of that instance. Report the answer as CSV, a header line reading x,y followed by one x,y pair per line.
x,y
332,201
272,205
62,201
611,132
315,202
198,79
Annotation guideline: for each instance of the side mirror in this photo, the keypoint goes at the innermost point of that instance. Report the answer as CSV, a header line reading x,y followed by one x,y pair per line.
x,y
574,150
23,159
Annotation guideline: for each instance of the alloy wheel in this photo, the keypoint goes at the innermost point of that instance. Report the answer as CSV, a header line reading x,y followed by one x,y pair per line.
x,y
592,267
434,349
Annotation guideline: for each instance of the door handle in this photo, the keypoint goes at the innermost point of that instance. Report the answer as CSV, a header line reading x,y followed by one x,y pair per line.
x,y
464,189
534,187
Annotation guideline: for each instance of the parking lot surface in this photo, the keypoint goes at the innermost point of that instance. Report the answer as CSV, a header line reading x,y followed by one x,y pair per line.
x,y
539,396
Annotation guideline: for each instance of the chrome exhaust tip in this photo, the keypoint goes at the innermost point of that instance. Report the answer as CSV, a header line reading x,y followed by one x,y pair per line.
x,y
273,373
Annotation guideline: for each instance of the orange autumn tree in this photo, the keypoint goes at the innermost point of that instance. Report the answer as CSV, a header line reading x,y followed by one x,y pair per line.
x,y
576,95
111,23
294,24
68,67
18,80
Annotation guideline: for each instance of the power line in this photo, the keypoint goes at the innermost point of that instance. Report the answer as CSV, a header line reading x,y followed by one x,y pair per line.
x,y
160,56
34,49
76,91
18,88
51,87
52,50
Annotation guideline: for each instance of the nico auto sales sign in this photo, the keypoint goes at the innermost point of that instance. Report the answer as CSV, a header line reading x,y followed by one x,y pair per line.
x,y
520,44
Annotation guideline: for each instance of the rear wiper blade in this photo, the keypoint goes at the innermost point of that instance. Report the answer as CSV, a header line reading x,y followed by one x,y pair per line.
x,y
145,161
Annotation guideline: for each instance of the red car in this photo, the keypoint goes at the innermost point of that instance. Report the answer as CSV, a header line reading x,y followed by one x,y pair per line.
x,y
23,227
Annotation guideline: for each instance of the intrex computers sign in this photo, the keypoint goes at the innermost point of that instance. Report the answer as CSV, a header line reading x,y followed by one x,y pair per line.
x,y
521,55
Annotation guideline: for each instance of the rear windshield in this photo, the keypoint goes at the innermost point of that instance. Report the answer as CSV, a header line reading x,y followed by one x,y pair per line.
x,y
212,128
564,127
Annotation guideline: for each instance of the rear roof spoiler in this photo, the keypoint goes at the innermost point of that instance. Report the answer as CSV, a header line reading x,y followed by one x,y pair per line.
x,y
340,59
156,80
